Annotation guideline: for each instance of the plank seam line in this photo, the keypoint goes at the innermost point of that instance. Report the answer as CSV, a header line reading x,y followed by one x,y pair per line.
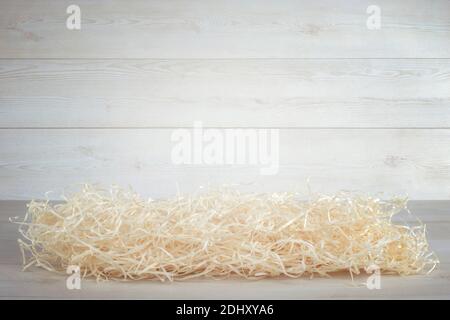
x,y
230,59
221,127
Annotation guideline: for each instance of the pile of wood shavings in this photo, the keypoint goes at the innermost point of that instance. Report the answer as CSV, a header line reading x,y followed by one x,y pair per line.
x,y
114,234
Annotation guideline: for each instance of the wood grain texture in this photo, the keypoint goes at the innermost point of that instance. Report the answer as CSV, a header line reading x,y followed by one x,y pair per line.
x,y
225,29
225,93
393,161
312,68
40,284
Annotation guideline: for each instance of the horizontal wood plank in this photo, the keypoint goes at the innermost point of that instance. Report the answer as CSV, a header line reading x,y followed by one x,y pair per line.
x,y
410,162
225,29
225,93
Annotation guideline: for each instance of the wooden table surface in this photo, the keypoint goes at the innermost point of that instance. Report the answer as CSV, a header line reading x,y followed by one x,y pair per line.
x,y
36,283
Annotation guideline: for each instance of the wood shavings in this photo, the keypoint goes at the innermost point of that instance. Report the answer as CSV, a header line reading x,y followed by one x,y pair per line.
x,y
114,234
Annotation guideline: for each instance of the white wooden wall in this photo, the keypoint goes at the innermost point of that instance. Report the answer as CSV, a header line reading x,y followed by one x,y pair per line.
x,y
357,109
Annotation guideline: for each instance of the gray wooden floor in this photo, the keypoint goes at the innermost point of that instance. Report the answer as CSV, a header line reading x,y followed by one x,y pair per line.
x,y
36,283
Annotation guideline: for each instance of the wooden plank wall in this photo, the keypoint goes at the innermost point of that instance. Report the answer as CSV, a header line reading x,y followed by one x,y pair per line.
x,y
357,109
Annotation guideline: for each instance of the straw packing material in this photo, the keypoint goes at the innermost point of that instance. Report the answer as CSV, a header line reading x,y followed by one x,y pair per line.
x,y
115,234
